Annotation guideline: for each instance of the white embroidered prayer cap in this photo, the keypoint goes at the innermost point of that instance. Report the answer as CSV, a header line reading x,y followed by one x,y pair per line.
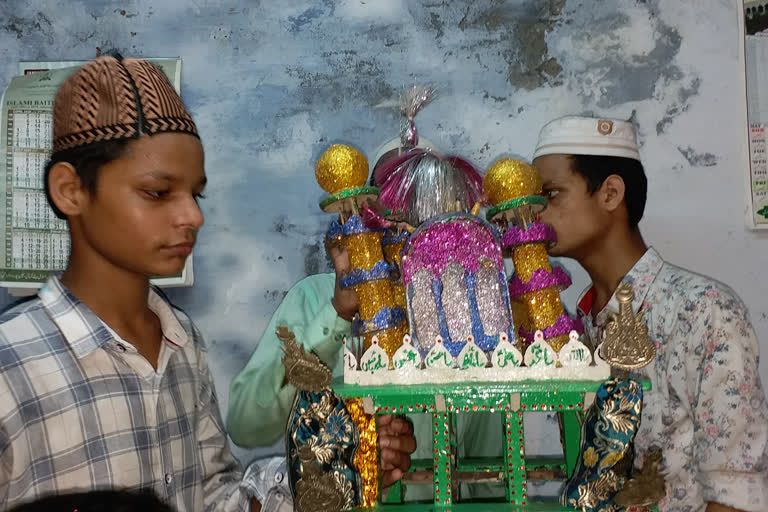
x,y
576,135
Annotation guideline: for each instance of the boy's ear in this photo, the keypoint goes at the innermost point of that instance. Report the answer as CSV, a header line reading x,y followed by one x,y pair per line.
x,y
66,189
612,192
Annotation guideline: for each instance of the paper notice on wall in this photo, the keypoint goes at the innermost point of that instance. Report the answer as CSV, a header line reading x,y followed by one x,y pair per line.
x,y
756,57
759,175
33,241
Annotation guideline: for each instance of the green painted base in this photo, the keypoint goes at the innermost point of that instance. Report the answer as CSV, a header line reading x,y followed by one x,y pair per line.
x,y
474,507
534,506
513,399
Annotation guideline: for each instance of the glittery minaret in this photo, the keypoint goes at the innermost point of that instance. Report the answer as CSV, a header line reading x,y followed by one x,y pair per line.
x,y
514,188
342,171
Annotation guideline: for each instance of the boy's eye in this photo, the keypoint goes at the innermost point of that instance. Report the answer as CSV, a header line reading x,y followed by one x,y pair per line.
x,y
156,194
198,196
550,193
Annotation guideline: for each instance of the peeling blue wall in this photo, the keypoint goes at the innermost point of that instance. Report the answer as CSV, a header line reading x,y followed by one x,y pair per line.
x,y
272,84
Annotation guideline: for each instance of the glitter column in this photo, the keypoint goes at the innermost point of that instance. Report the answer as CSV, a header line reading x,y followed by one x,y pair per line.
x,y
370,277
514,187
535,288
342,171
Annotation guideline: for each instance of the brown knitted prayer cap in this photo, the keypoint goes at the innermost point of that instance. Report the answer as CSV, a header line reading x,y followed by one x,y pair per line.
x,y
113,98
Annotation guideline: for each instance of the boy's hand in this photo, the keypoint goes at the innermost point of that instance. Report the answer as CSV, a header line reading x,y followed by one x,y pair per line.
x,y
344,301
397,443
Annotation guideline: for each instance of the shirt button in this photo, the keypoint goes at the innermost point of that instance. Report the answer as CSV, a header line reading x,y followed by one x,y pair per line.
x,y
168,478
278,477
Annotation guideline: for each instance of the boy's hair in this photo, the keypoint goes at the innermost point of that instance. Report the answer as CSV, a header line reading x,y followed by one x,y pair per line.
x,y
87,161
97,501
596,168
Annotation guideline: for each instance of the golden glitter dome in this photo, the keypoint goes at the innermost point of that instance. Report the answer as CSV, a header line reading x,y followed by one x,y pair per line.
x,y
341,167
509,179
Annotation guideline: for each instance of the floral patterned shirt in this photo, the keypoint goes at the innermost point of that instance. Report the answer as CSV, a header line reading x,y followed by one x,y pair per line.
x,y
707,410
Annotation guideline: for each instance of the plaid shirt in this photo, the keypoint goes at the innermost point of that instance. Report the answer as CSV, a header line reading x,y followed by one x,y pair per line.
x,y
81,409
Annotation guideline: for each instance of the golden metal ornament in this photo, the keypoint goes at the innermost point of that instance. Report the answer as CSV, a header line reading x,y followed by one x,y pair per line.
x,y
646,488
626,345
302,369
316,491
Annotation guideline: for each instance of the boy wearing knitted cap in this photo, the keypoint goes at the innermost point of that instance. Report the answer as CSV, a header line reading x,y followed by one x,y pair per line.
x,y
707,411
104,384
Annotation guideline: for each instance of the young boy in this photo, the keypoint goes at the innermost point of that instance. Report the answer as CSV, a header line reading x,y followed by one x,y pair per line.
x,y
103,384
707,410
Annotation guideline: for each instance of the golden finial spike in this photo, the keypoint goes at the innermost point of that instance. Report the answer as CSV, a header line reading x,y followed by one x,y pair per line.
x,y
302,369
626,345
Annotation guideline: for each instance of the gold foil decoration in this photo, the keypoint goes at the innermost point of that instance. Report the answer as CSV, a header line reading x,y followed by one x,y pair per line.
x,y
544,307
302,369
392,252
626,345
558,342
519,312
364,250
374,295
400,298
366,460
509,179
529,258
341,167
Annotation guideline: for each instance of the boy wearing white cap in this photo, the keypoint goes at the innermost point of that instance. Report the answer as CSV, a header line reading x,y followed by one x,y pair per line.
x,y
707,411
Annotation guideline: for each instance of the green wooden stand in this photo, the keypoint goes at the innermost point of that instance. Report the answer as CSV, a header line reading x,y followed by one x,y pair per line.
x,y
513,399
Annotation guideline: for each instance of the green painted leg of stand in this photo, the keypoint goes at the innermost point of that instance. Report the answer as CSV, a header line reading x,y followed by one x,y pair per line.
x,y
441,444
571,440
514,450
395,494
